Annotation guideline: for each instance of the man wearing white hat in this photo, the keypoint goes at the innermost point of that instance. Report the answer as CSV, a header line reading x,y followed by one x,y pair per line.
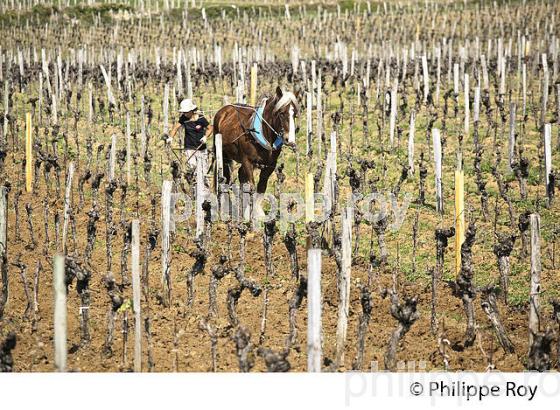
x,y
197,129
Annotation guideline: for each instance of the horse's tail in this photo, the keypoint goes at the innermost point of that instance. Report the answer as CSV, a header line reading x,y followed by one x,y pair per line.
x,y
217,118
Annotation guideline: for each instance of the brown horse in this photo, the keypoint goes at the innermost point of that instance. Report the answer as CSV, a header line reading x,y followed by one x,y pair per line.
x,y
234,123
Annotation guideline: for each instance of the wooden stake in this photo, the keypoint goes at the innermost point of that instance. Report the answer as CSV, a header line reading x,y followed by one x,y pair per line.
x,y
459,216
128,148
67,205
437,162
425,76
467,107
411,133
166,109
90,103
438,75
136,291
309,121
107,78
59,314
344,285
534,319
319,106
544,99
393,113
309,198
200,195
524,88
253,97
547,155
143,141
314,310
113,157
476,105
3,248
511,147
456,79
219,160
165,235
179,72
28,154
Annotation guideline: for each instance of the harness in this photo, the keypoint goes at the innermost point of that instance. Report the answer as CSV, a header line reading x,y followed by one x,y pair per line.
x,y
256,130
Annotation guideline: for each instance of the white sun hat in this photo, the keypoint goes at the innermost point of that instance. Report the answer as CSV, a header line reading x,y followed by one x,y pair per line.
x,y
187,105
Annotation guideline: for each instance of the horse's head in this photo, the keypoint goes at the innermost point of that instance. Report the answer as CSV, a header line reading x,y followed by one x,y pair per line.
x,y
285,112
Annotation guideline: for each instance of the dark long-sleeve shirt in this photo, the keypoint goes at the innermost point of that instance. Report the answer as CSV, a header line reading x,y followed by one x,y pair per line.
x,y
194,131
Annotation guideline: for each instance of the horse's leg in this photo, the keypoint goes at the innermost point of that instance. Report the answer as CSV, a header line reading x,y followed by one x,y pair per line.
x,y
263,179
226,175
243,179
227,171
246,173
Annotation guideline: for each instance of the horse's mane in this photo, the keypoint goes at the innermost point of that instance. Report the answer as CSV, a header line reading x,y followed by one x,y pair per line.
x,y
287,98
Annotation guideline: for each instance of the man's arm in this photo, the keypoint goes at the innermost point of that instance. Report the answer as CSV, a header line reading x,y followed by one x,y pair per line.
x,y
209,130
174,130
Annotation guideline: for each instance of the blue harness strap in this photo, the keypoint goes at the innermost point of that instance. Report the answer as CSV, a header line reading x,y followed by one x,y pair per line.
x,y
257,131
277,142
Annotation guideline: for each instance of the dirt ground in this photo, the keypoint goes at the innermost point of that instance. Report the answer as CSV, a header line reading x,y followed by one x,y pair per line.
x,y
179,345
